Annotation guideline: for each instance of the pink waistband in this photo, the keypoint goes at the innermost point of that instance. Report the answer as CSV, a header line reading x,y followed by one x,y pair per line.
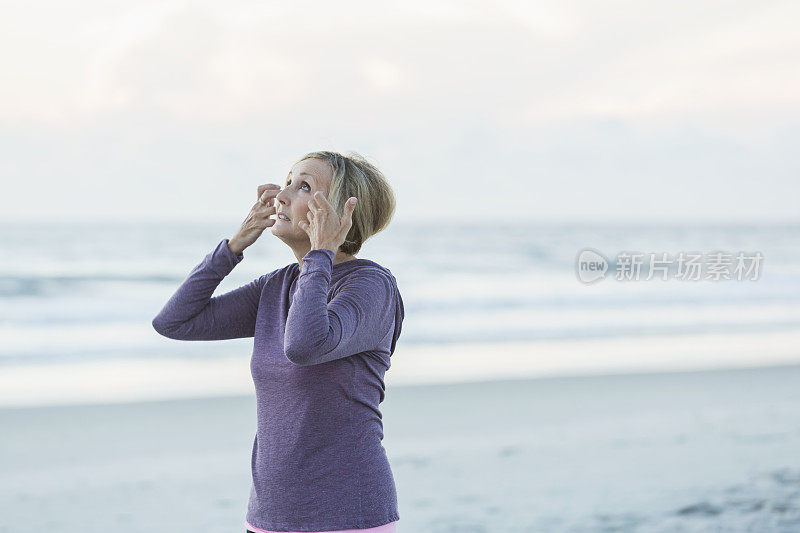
x,y
385,528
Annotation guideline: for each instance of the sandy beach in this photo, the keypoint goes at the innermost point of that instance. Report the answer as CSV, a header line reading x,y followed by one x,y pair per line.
x,y
160,378
683,451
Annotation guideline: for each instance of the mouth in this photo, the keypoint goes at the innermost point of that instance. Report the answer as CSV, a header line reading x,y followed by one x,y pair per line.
x,y
281,216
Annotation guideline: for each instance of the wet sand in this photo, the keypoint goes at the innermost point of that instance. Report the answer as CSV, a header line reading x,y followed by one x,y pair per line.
x,y
690,451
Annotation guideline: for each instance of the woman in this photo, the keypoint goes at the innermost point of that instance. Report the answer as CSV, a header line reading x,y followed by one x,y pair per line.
x,y
324,329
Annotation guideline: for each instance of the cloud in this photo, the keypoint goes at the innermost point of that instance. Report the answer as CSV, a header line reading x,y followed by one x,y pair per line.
x,y
538,101
383,75
511,60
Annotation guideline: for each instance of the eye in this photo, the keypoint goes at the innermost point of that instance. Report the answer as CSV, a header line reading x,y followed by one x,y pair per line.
x,y
289,182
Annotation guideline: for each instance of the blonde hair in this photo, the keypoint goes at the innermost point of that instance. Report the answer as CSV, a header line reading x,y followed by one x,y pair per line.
x,y
353,175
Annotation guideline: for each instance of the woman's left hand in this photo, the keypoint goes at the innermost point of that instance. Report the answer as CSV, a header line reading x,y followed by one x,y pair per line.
x,y
324,227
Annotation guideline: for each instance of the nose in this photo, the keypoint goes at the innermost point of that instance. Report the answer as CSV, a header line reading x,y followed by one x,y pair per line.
x,y
281,196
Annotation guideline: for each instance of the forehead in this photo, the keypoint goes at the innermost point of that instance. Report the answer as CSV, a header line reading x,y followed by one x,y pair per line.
x,y
317,168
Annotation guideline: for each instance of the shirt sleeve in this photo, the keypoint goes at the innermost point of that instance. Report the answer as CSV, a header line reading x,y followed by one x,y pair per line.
x,y
355,320
191,314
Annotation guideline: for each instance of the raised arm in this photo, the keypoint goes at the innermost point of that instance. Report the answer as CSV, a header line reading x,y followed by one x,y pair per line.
x,y
354,321
191,314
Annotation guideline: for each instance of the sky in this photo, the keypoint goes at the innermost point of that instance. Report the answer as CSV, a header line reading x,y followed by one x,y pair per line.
x,y
563,111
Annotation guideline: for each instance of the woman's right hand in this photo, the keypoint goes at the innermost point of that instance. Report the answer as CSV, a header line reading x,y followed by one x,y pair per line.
x,y
257,220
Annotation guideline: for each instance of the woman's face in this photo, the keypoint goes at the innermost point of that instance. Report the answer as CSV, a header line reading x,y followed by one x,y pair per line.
x,y
306,177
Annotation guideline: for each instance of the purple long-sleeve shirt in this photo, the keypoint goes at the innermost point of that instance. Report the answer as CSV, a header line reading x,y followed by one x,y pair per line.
x,y
323,337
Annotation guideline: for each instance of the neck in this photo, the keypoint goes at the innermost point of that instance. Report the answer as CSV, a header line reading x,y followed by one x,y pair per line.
x,y
340,256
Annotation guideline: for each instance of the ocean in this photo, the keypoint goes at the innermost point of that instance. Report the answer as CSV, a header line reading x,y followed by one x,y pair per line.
x,y
88,291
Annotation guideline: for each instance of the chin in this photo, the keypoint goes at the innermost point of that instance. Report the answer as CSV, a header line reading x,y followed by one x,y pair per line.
x,y
284,235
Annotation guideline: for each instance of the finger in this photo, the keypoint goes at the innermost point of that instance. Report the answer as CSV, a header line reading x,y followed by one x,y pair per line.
x,y
268,194
269,204
316,199
267,186
347,216
349,207
321,200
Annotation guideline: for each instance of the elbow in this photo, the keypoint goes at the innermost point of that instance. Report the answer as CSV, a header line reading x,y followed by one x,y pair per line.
x,y
305,349
302,352
296,355
161,328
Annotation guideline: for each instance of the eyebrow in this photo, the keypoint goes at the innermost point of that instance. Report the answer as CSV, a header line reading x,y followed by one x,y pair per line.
x,y
301,174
